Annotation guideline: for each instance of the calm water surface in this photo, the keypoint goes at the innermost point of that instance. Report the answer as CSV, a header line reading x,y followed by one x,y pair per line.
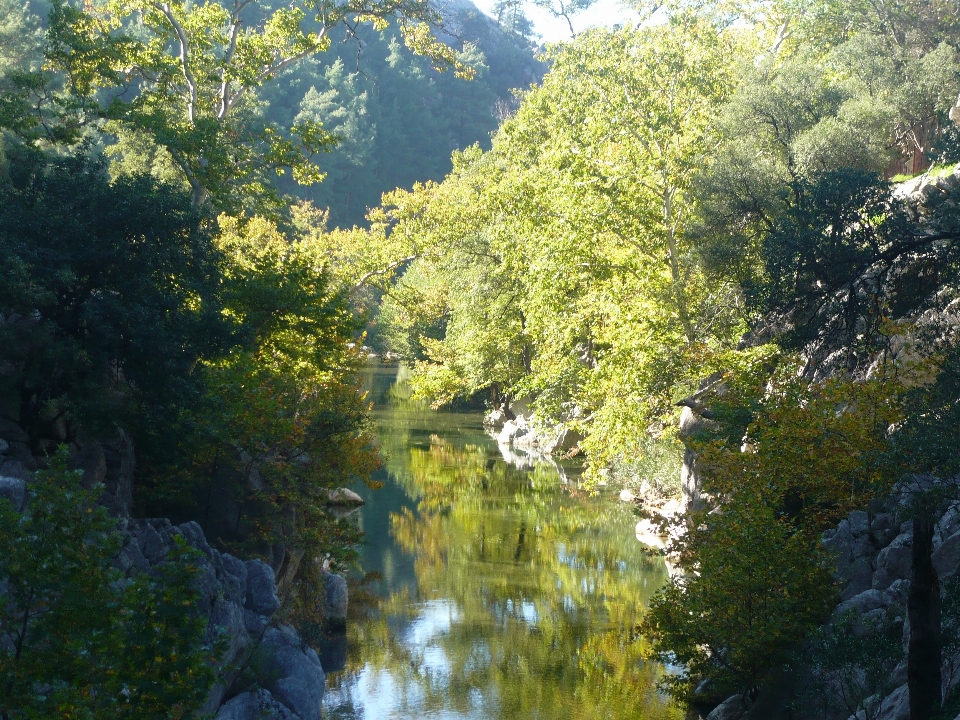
x,y
504,591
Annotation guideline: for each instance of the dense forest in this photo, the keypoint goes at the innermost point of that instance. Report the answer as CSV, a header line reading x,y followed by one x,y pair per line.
x,y
723,239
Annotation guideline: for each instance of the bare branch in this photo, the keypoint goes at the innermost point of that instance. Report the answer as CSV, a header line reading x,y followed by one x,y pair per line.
x,y
277,67
384,270
184,58
228,56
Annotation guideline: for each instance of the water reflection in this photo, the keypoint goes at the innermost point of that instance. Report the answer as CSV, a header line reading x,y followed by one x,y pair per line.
x,y
506,593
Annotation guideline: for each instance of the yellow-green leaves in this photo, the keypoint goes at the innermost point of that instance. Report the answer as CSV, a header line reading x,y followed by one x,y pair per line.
x,y
186,75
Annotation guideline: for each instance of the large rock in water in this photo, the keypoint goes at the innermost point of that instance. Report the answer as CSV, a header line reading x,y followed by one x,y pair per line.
x,y
335,599
259,705
733,708
345,496
291,672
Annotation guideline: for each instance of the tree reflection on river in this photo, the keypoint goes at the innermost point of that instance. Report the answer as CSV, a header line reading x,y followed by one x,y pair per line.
x,y
507,593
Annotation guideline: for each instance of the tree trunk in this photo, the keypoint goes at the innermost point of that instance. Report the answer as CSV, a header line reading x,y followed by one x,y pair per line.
x,y
923,608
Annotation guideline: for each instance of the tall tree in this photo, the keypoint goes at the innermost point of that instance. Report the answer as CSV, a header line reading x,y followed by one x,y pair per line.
x,y
186,74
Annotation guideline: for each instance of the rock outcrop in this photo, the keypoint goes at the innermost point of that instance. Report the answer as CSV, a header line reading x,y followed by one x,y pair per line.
x,y
238,598
525,431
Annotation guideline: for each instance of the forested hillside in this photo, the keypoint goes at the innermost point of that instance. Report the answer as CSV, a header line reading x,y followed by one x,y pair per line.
x,y
397,120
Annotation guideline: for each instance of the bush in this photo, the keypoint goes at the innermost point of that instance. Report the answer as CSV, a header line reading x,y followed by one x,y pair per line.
x,y
79,639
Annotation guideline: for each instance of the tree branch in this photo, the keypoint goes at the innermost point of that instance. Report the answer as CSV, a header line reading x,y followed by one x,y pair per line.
x,y
384,270
270,70
184,58
228,56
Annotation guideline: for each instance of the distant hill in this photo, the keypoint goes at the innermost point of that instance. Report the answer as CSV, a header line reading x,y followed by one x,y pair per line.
x,y
399,119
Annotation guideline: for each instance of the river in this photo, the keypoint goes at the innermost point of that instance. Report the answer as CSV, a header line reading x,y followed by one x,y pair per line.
x,y
500,589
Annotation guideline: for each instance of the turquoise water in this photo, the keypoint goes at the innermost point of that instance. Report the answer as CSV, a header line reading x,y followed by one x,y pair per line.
x,y
501,589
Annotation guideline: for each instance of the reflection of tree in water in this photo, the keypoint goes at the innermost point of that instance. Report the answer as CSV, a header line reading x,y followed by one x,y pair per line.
x,y
545,591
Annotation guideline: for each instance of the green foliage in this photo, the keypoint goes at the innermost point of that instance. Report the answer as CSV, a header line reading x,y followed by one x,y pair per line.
x,y
853,662
798,144
756,580
282,411
756,589
184,76
110,298
558,264
80,641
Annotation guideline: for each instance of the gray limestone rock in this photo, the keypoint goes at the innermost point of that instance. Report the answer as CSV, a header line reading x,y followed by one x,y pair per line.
x,y
13,489
893,562
896,705
883,530
254,623
861,604
946,558
858,576
259,705
345,496
949,525
733,708
14,469
193,533
153,544
234,578
335,599
859,523
261,588
293,674
226,622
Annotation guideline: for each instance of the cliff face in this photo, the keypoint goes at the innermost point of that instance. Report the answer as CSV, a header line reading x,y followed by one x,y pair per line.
x,y
898,309
265,669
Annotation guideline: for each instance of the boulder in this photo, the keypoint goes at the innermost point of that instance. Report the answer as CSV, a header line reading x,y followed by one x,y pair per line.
x,y
261,588
4,446
946,558
259,705
895,706
293,674
733,708
860,604
883,530
507,432
9,430
894,562
949,525
13,489
345,496
14,469
859,523
234,578
226,622
335,599
494,419
858,577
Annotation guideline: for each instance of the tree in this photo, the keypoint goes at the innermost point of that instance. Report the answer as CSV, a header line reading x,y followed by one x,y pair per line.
x,y
782,466
283,420
141,654
111,297
185,75
568,241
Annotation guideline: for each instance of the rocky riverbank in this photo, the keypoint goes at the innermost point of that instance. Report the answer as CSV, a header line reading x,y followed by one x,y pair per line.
x,y
265,670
